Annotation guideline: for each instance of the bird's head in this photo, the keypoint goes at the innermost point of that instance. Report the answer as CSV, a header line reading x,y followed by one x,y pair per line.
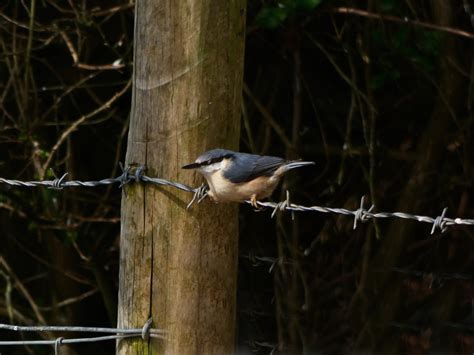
x,y
210,161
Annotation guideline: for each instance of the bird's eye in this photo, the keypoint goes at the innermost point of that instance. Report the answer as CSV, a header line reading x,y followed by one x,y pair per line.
x,y
211,161
216,160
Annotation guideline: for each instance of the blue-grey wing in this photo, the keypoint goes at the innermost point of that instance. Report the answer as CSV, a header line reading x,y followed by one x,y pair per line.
x,y
246,167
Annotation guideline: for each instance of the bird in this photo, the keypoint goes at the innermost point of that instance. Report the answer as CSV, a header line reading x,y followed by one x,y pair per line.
x,y
237,177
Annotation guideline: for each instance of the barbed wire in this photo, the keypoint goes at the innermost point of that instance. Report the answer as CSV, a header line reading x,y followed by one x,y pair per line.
x,y
256,346
424,330
441,276
136,175
145,333
435,277
420,328
261,260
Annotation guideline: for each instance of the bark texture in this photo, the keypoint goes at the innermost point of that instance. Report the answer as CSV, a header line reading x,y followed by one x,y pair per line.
x,y
178,266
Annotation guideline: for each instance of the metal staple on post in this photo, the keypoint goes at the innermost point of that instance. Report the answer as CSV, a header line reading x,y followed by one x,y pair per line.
x,y
57,344
146,329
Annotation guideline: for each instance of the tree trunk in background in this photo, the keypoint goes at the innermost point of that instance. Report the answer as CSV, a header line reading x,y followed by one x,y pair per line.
x,y
178,266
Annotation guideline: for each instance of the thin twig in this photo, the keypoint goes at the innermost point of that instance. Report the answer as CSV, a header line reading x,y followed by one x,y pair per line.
x,y
78,122
75,57
268,117
405,20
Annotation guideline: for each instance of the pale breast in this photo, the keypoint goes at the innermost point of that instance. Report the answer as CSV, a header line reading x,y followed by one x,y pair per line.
x,y
223,190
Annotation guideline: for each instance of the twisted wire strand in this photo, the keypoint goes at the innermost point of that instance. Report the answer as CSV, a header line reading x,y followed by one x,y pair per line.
x,y
361,214
145,333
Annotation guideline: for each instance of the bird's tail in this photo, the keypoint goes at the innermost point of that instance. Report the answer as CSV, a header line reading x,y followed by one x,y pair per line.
x,y
297,164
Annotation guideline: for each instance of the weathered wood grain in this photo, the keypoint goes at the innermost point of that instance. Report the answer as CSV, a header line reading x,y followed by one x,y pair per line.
x,y
180,266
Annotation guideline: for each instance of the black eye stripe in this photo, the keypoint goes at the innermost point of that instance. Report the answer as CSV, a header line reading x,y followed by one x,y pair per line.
x,y
215,160
207,162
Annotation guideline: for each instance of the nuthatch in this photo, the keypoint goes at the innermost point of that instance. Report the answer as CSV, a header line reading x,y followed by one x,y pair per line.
x,y
234,176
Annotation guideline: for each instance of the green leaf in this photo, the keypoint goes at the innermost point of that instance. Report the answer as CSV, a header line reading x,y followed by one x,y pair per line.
x,y
272,17
71,236
387,5
306,4
32,227
384,78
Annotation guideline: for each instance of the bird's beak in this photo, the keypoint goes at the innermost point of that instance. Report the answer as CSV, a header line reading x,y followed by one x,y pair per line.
x,y
191,166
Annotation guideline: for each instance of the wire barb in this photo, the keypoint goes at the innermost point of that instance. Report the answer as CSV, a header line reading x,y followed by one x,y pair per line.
x,y
278,261
361,214
200,194
440,222
58,184
257,346
124,178
282,206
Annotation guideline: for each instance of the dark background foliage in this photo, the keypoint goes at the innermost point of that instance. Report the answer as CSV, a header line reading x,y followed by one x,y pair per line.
x,y
378,93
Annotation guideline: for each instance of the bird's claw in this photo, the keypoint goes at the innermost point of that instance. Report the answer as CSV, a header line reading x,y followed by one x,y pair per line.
x,y
254,203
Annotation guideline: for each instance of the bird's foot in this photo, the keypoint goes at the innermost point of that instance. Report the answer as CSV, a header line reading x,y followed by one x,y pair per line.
x,y
254,203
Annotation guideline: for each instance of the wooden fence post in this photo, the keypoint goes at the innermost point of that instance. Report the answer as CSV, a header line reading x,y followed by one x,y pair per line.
x,y
180,267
